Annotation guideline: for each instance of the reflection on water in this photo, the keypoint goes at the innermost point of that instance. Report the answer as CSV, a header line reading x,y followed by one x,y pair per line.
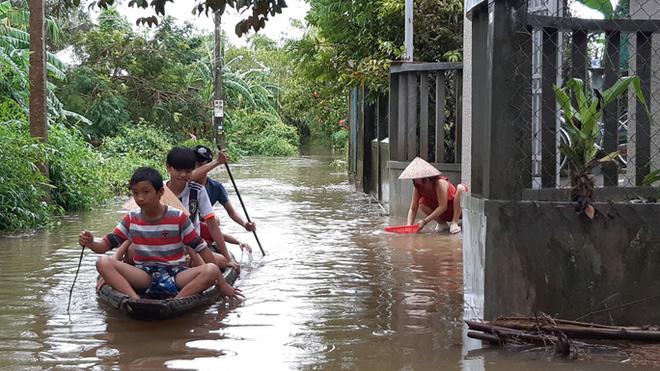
x,y
332,293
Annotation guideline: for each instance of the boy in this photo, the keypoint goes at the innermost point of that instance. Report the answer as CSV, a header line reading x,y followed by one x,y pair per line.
x,y
180,165
158,233
215,189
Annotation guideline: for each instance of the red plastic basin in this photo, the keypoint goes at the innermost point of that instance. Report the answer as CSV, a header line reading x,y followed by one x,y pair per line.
x,y
403,228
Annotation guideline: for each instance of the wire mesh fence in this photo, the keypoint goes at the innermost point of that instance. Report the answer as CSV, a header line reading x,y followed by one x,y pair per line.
x,y
586,96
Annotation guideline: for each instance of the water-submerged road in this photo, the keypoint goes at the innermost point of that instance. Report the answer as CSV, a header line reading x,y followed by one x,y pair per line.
x,y
332,293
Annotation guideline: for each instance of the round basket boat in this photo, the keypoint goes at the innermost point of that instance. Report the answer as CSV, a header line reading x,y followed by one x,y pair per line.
x,y
153,309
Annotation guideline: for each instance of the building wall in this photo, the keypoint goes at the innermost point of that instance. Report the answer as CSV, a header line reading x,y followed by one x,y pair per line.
x,y
516,264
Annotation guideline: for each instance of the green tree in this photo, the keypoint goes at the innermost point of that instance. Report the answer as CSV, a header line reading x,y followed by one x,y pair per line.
x,y
166,76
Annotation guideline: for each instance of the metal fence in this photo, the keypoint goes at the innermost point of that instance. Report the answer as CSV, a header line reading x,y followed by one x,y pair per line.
x,y
425,112
540,47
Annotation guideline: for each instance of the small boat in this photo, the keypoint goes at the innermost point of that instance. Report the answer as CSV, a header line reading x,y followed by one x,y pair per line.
x,y
154,309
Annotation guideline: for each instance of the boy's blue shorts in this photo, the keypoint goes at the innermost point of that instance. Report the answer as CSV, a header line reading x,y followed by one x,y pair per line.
x,y
163,284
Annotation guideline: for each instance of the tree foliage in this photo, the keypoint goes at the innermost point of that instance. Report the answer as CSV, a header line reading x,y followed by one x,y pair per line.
x,y
257,12
162,78
15,53
362,37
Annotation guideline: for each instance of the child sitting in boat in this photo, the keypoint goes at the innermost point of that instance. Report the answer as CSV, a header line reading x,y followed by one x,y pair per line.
x,y
158,233
193,197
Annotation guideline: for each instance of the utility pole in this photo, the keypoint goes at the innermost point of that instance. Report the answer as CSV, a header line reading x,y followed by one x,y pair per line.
x,y
218,93
38,100
409,31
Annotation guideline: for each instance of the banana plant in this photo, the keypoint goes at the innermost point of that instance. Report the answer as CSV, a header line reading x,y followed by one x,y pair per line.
x,y
582,109
15,51
652,178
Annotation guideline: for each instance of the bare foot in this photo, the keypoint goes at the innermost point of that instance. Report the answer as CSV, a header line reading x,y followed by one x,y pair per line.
x,y
228,291
99,283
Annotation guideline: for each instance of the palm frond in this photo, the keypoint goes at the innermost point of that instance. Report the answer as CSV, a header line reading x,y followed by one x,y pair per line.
x,y
652,177
77,117
242,90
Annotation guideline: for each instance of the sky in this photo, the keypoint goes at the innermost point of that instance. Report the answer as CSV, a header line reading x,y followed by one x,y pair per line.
x,y
277,28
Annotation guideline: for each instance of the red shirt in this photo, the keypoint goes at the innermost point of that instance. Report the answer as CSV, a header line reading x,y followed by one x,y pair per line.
x,y
429,197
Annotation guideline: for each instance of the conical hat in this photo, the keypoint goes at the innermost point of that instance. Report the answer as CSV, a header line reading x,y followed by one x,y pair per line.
x,y
418,168
168,198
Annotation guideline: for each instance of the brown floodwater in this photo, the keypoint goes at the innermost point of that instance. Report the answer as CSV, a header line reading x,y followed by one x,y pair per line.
x,y
333,292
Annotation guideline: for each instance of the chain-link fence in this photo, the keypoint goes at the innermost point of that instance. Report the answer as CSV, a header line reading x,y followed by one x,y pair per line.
x,y
578,116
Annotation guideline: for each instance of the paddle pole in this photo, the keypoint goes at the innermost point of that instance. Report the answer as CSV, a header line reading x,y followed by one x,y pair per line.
x,y
263,253
82,251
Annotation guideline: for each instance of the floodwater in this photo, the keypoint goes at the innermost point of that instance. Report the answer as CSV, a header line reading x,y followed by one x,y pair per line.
x,y
333,292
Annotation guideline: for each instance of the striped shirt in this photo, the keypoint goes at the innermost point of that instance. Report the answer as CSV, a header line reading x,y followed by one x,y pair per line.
x,y
159,242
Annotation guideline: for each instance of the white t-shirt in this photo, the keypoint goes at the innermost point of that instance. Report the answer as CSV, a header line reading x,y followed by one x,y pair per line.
x,y
204,208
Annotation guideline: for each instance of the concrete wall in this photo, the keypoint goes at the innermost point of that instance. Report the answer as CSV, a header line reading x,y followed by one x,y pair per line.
x,y
372,177
514,263
376,182
385,179
400,191
474,246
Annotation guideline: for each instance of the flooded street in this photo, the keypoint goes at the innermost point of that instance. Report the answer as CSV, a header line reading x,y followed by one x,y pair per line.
x,y
333,292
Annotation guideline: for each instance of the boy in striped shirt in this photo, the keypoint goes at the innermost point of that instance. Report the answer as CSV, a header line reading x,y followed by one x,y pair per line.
x,y
159,233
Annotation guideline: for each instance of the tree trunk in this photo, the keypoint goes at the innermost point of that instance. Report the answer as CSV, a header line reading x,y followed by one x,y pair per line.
x,y
38,99
582,192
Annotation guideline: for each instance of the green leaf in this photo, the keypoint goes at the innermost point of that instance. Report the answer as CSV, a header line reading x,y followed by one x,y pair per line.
x,y
609,157
620,87
564,101
651,178
603,6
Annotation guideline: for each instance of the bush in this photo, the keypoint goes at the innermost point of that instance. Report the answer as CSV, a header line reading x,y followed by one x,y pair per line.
x,y
11,110
340,140
142,140
262,133
22,186
135,146
118,170
75,170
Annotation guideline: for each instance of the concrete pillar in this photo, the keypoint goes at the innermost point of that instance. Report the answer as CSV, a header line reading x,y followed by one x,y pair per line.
x,y
466,155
